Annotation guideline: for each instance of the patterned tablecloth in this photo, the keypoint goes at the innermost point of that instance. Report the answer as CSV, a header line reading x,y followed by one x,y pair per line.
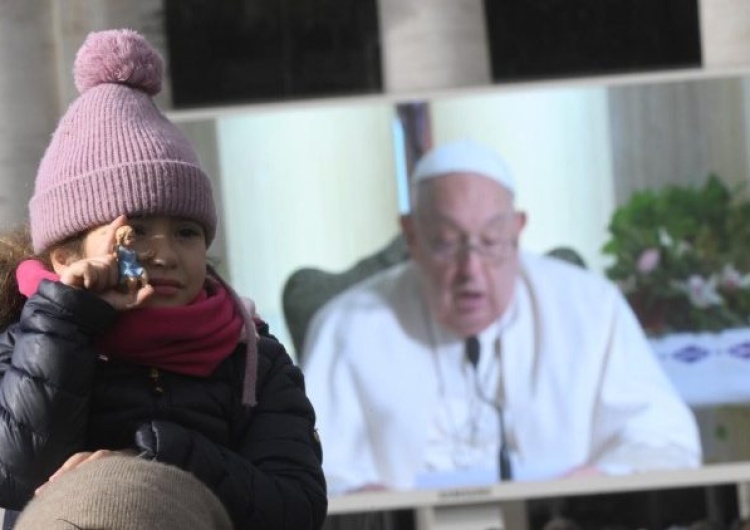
x,y
708,369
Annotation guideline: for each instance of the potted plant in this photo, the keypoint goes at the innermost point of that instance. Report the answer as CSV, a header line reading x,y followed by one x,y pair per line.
x,y
681,256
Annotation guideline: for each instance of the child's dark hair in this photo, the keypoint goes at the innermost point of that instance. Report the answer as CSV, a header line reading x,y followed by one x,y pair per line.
x,y
15,247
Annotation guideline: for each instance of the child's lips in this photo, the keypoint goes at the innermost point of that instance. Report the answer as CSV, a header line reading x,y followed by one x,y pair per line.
x,y
164,287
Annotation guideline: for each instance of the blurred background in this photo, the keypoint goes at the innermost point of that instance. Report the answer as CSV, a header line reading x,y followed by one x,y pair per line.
x,y
294,108
308,116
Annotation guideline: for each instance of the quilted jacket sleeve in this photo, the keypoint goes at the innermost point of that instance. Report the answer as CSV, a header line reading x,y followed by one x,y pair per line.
x,y
47,362
274,479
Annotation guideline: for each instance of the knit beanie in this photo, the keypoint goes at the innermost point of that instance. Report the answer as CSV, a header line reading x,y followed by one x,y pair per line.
x,y
114,152
125,493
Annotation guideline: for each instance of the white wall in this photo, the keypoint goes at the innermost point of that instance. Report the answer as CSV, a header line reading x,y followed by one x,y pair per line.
x,y
304,187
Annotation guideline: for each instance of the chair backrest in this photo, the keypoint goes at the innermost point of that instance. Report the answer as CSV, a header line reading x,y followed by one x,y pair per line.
x,y
308,289
568,254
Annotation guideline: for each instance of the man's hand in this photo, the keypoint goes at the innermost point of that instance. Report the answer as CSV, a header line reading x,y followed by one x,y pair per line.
x,y
583,471
368,488
82,458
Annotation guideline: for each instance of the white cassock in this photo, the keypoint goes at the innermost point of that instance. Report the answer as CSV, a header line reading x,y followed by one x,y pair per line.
x,y
568,366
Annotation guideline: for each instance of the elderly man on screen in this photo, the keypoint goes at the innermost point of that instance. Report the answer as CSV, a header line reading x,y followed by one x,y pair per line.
x,y
475,361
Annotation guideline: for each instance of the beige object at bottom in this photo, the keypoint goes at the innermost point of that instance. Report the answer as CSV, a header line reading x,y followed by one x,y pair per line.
x,y
124,493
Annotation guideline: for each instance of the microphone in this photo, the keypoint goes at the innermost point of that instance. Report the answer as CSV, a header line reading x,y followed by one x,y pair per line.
x,y
472,351
472,355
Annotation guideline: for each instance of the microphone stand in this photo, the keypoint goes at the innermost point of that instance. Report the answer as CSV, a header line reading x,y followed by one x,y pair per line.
x,y
503,454
472,354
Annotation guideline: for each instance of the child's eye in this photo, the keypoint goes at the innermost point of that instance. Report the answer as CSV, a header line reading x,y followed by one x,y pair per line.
x,y
138,230
188,232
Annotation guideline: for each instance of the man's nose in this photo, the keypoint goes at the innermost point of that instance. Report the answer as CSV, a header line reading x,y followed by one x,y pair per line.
x,y
469,258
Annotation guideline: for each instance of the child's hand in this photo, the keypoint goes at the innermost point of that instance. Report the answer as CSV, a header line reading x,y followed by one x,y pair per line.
x,y
100,275
98,272
101,241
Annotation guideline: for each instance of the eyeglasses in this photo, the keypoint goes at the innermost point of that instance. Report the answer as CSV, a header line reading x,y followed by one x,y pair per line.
x,y
490,251
446,241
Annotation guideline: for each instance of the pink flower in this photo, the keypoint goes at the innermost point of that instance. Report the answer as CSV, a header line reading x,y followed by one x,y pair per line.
x,y
701,291
648,261
731,279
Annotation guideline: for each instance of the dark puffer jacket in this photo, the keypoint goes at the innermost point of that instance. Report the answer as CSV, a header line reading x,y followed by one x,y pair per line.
x,y
57,397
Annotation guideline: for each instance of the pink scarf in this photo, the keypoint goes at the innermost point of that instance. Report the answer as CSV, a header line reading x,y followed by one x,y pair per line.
x,y
191,339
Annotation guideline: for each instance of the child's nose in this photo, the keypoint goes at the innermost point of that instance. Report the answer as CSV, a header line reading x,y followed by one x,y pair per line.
x,y
161,250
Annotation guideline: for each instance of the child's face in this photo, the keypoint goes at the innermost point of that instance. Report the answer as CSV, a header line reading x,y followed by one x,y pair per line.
x,y
176,262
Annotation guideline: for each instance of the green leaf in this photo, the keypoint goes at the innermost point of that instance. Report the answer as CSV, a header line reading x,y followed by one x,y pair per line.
x,y
697,231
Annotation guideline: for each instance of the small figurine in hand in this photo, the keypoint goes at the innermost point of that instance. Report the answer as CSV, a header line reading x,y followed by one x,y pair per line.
x,y
132,273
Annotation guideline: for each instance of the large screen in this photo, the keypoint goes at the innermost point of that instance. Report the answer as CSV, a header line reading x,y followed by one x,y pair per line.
x,y
321,185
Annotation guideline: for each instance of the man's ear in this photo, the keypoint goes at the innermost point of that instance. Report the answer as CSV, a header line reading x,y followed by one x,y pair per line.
x,y
408,230
60,258
520,218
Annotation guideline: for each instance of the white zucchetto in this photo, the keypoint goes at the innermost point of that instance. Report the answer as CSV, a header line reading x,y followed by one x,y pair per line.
x,y
463,156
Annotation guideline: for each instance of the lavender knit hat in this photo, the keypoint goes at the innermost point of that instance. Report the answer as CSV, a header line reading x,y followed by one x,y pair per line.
x,y
114,152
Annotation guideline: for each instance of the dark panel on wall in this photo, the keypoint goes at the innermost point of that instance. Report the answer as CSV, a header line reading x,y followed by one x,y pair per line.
x,y
535,39
238,51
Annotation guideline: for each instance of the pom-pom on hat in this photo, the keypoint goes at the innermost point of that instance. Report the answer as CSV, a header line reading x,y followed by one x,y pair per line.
x,y
114,152
463,156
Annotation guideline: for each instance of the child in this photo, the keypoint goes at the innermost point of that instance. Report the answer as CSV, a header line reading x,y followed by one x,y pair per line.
x,y
173,372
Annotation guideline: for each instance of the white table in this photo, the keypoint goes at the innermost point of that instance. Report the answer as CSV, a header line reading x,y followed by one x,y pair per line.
x,y
708,369
502,505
